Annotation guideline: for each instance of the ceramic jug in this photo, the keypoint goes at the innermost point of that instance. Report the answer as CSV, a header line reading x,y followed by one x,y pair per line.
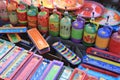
x,y
43,19
114,45
65,26
3,10
54,23
32,18
22,14
12,7
90,31
103,37
77,29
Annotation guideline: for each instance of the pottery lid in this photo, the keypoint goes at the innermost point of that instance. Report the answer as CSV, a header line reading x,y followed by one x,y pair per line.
x,y
105,32
33,7
66,12
42,13
54,18
90,28
65,21
79,18
78,24
116,35
31,12
22,7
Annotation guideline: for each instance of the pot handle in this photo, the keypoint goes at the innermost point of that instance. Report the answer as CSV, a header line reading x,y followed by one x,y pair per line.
x,y
57,12
109,27
79,18
43,8
97,24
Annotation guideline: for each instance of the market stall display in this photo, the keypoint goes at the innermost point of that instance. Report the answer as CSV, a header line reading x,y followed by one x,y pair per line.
x,y
59,40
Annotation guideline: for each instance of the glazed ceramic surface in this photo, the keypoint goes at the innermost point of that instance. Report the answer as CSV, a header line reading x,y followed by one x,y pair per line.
x,y
89,7
114,17
77,29
71,4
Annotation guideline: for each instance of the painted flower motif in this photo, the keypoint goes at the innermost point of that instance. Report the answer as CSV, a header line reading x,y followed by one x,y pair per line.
x,y
89,39
22,7
43,21
51,26
22,17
